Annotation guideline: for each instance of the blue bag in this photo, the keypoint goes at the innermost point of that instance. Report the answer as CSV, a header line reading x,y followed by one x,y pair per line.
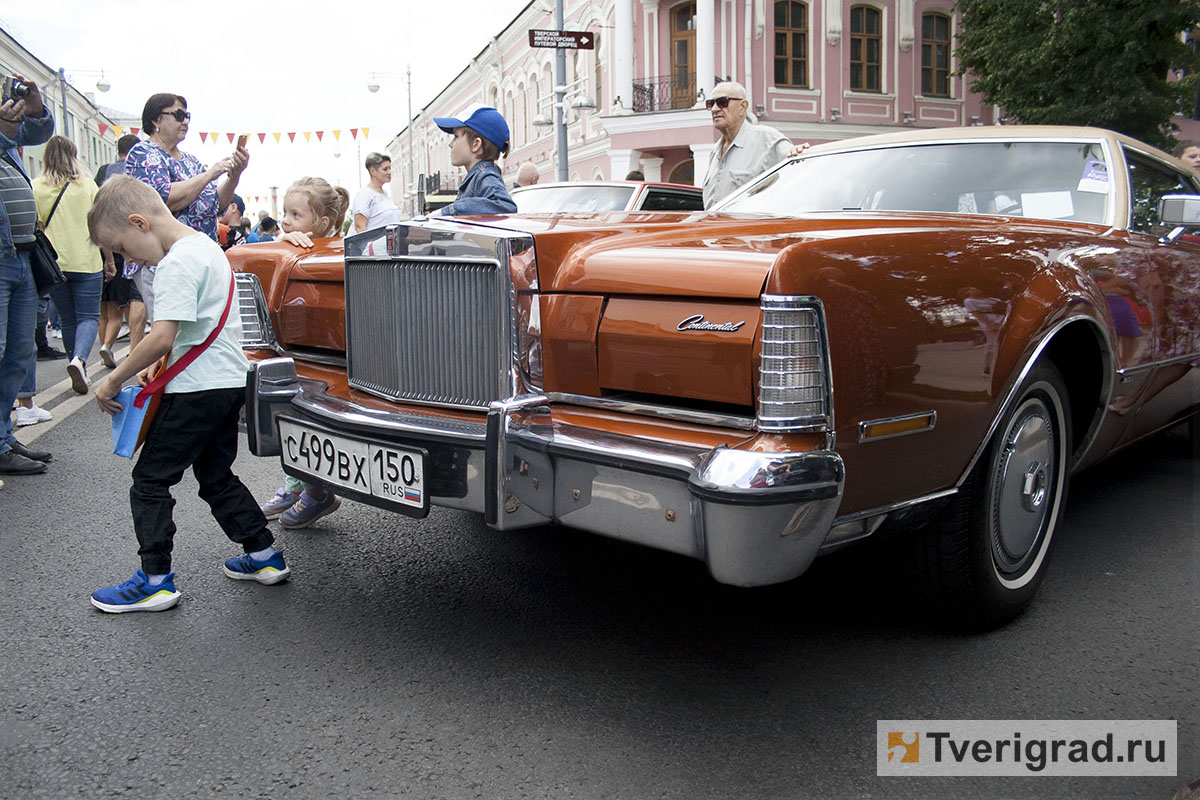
x,y
127,423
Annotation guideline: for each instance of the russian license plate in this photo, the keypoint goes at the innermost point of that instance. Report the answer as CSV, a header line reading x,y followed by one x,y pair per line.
x,y
390,473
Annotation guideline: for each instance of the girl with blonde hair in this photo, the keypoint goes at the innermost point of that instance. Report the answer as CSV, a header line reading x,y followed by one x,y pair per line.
x,y
64,193
312,209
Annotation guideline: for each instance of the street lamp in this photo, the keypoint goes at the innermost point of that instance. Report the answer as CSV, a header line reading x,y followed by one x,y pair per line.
x,y
373,87
102,84
572,95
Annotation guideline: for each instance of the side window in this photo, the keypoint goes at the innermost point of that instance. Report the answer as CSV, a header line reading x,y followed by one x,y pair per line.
x,y
659,200
1148,182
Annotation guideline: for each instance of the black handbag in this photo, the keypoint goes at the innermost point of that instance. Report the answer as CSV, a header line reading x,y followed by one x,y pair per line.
x,y
43,258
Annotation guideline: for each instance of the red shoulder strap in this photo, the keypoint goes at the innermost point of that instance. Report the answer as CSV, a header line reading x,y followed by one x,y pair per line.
x,y
168,374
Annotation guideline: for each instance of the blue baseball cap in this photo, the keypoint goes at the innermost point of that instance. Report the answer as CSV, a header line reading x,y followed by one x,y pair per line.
x,y
484,120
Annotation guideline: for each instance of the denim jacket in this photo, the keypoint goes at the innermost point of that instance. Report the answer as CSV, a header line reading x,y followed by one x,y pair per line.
x,y
31,132
481,192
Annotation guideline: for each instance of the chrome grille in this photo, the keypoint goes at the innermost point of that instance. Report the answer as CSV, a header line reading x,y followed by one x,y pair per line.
x,y
257,332
794,379
430,330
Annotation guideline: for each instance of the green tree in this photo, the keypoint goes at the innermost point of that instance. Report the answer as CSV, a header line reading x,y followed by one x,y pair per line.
x,y
1082,62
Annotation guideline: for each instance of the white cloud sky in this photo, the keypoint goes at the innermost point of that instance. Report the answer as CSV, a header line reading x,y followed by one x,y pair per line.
x,y
298,65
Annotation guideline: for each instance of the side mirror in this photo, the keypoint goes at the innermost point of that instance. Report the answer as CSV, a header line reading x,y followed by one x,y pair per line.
x,y
1179,211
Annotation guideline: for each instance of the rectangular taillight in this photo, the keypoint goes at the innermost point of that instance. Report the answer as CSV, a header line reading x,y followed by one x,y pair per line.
x,y
257,332
795,389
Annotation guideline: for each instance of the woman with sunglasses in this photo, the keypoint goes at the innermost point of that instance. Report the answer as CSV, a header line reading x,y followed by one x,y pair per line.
x,y
187,187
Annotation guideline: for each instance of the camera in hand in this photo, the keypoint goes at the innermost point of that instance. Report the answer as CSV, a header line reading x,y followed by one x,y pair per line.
x,y
15,88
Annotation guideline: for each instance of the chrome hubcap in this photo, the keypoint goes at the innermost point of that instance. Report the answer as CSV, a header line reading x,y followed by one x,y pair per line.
x,y
1033,489
1023,486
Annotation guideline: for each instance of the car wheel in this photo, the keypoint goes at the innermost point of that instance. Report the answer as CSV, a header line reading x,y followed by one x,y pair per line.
x,y
983,558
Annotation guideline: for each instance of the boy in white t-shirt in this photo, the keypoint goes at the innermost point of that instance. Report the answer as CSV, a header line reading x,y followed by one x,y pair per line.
x,y
196,423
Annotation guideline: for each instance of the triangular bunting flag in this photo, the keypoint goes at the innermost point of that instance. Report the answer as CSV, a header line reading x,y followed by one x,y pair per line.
x,y
203,136
337,136
213,136
135,131
262,138
354,133
319,135
231,135
291,136
103,128
308,136
366,132
118,130
276,135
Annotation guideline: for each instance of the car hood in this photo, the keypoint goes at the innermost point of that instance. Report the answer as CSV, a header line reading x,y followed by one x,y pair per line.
x,y
689,255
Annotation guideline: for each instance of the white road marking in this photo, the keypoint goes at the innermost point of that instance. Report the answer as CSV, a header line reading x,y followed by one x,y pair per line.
x,y
31,433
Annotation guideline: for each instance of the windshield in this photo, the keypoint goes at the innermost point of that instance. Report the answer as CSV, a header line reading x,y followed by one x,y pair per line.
x,y
582,198
1049,180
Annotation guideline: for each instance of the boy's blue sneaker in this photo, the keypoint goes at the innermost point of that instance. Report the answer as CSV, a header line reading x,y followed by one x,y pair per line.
x,y
281,502
307,510
268,571
136,594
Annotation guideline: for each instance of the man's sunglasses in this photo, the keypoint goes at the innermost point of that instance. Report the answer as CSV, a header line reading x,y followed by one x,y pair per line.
x,y
719,102
179,114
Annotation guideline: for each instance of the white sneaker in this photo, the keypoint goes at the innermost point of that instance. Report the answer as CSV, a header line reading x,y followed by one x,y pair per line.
x,y
79,376
121,334
55,333
22,416
107,357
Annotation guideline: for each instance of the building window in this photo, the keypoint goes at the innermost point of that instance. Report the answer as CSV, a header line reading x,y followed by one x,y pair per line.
x,y
791,44
866,48
935,55
683,55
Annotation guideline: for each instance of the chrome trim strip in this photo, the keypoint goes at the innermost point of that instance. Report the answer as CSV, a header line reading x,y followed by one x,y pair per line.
x,y
650,410
313,399
912,501
315,358
1129,372
862,426
322,260
1010,398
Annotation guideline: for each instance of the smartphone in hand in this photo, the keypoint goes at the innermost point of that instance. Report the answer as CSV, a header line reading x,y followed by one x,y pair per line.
x,y
241,144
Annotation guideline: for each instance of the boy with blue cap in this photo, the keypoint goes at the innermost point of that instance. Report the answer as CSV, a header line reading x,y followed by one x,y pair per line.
x,y
480,137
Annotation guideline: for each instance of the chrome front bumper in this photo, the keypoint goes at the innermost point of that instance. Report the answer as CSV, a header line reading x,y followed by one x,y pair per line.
x,y
754,518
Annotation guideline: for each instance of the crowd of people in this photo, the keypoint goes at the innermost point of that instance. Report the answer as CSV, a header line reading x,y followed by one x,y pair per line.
x,y
142,243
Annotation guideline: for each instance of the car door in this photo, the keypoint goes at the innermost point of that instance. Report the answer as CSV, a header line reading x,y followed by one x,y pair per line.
x,y
1160,296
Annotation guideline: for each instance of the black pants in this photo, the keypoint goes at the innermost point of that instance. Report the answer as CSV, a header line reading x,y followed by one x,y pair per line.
x,y
197,430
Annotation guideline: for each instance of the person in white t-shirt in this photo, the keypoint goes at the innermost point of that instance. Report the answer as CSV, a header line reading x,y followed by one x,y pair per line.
x,y
196,425
371,207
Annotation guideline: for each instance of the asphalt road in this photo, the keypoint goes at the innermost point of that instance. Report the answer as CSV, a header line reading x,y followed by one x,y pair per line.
x,y
442,659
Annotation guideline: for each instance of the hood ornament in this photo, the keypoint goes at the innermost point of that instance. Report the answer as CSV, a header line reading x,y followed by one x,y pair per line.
x,y
696,323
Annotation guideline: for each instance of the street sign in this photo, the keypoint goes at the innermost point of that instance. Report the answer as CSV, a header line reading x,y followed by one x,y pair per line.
x,y
568,40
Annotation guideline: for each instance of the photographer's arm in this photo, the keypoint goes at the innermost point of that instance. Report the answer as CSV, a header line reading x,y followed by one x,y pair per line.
x,y
238,162
26,121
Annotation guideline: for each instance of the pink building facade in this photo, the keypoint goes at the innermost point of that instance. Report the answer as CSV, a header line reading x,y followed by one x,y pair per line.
x,y
817,71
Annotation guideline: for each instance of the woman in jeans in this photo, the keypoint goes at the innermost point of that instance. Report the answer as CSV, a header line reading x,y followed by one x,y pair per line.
x,y
63,182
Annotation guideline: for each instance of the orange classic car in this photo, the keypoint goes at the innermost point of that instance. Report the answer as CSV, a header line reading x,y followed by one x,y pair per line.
x,y
926,332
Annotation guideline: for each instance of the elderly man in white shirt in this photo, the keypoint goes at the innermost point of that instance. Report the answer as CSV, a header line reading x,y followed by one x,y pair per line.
x,y
745,150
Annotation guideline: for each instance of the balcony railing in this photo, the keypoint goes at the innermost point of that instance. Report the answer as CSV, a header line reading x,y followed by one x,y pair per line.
x,y
666,92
